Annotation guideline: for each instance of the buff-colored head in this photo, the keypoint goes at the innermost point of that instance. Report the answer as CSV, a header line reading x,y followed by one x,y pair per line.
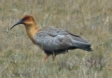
x,y
27,20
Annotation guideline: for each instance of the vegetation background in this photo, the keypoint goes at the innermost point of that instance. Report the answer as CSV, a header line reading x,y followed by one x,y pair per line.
x,y
91,19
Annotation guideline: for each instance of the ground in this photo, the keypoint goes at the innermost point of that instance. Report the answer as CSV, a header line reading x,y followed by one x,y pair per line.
x,y
91,19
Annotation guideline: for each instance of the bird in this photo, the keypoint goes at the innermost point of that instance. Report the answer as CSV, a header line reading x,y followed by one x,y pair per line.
x,y
52,40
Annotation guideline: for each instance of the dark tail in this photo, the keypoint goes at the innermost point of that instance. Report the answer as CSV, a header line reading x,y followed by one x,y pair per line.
x,y
86,47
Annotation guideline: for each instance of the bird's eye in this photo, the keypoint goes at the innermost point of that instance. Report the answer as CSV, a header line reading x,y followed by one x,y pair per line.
x,y
25,18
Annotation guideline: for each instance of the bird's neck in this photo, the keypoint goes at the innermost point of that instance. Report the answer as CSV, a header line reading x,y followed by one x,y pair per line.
x,y
31,31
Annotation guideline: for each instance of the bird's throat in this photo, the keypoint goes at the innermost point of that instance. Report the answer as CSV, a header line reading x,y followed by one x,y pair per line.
x,y
31,31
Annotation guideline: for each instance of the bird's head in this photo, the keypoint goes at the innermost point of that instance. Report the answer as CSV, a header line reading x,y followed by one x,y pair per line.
x,y
27,20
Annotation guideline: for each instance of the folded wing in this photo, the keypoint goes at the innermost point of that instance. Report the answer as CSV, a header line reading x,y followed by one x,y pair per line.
x,y
54,39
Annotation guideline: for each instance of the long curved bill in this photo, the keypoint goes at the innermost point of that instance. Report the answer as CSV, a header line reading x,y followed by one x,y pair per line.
x,y
20,22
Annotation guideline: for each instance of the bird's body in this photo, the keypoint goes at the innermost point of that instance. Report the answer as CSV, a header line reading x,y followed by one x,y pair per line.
x,y
53,40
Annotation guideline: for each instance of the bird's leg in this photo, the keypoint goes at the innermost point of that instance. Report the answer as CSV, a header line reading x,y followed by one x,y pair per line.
x,y
47,56
54,58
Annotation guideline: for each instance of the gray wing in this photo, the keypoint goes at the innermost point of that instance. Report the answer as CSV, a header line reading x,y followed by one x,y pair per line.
x,y
55,39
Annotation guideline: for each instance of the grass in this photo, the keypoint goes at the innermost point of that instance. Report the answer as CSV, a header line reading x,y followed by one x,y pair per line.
x,y
91,19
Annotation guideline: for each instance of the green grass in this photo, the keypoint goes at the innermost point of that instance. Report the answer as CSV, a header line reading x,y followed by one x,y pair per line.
x,y
91,19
